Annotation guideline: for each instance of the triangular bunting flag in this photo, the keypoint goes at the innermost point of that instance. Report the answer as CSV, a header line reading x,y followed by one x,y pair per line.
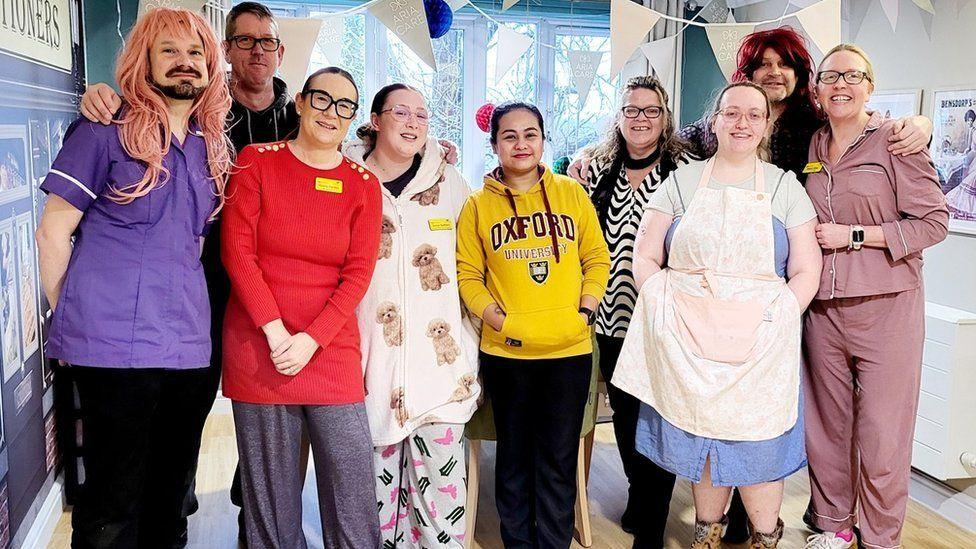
x,y
717,11
192,5
925,5
511,46
408,20
457,4
508,3
584,65
927,23
822,24
741,3
661,55
329,44
725,40
858,11
890,8
805,3
730,18
629,24
302,34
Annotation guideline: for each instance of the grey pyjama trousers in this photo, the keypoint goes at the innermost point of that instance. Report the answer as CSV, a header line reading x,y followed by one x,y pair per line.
x,y
269,444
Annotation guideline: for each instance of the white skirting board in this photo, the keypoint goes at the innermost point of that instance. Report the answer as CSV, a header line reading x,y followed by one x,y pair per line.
x,y
42,528
958,508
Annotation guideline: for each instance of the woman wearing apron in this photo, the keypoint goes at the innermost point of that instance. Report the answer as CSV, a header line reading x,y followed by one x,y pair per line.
x,y
866,327
713,348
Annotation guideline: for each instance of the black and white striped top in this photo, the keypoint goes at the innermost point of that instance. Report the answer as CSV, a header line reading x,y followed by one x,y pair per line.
x,y
623,217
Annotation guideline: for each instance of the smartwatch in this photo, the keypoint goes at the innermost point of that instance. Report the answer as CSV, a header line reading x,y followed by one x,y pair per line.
x,y
590,315
857,237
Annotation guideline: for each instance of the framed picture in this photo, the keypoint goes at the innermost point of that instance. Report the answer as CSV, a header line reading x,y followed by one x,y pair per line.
x,y
897,103
954,153
28,294
14,171
10,340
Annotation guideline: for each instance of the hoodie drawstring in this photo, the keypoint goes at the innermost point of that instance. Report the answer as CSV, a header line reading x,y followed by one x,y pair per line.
x,y
549,219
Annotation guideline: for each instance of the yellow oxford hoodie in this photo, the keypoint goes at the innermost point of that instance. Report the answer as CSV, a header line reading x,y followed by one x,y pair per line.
x,y
535,266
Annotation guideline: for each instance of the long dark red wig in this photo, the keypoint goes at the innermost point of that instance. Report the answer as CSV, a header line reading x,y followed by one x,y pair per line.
x,y
791,46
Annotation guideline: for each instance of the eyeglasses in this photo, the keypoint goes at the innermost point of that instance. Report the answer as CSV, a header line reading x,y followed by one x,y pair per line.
x,y
732,115
650,112
323,101
851,77
402,113
245,42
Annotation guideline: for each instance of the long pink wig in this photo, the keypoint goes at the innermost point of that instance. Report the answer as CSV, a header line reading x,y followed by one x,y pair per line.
x,y
145,131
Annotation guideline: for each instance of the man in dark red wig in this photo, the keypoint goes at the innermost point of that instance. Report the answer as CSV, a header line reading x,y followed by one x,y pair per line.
x,y
778,60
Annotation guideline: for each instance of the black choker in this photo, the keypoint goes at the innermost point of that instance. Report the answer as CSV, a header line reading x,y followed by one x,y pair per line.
x,y
641,163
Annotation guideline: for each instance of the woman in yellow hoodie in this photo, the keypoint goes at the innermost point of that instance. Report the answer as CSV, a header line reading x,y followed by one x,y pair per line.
x,y
532,263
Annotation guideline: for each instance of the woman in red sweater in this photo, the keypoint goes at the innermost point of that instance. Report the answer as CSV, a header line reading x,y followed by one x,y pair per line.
x,y
300,237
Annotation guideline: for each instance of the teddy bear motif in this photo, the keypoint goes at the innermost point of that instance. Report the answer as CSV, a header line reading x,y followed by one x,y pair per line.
x,y
430,197
445,347
387,228
388,315
432,275
397,405
464,388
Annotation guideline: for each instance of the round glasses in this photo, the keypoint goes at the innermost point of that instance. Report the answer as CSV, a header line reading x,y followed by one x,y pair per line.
x,y
732,116
402,113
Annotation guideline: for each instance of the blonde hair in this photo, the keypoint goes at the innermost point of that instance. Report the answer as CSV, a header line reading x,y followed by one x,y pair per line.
x,y
868,67
763,149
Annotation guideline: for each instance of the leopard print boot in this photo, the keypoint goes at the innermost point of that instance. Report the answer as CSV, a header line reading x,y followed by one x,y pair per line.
x,y
760,540
708,535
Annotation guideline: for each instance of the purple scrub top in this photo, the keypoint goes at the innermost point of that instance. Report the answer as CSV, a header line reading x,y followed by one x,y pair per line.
x,y
134,295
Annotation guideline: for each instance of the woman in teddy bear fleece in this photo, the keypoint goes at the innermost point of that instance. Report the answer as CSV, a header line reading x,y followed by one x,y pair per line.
x,y
419,357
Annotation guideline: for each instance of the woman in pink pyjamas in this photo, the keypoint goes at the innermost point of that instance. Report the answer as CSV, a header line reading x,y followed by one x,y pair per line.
x,y
864,331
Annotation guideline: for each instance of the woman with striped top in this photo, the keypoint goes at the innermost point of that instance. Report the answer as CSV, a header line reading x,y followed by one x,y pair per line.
x,y
639,152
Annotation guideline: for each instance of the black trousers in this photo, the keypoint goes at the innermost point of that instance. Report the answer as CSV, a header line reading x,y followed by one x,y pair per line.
x,y
649,493
538,407
141,433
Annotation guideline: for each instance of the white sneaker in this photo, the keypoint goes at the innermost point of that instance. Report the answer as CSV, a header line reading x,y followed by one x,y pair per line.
x,y
829,540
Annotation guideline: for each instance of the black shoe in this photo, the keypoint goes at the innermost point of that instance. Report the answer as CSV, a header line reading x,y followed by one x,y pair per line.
x,y
628,522
808,520
241,529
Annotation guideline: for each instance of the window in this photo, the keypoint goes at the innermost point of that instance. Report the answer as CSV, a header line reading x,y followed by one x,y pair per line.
x,y
465,75
443,88
574,126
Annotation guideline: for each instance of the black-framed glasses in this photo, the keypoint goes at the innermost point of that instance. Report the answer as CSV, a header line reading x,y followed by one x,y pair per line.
x,y
402,113
246,42
851,77
633,112
322,101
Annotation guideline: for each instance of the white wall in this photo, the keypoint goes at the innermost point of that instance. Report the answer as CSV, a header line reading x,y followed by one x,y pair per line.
x,y
907,58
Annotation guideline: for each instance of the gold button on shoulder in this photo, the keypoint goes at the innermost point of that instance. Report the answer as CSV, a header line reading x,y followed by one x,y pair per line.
x,y
361,170
260,149
760,196
365,177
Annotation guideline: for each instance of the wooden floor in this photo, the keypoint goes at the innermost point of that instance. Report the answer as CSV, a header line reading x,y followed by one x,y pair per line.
x,y
215,525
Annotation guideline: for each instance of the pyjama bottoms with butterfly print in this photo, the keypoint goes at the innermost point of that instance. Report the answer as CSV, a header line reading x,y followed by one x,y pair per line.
x,y
421,486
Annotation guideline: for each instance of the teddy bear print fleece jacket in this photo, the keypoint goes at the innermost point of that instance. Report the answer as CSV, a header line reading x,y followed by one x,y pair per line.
x,y
420,361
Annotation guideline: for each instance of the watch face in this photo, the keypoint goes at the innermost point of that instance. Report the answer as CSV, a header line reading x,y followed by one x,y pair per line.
x,y
859,235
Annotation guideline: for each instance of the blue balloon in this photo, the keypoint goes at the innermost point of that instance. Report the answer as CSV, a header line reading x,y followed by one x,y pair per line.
x,y
439,17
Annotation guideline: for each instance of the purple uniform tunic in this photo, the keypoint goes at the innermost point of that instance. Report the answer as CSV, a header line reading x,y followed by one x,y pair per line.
x,y
134,295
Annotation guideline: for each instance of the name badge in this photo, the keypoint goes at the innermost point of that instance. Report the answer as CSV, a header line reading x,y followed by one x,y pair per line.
x,y
813,167
440,224
328,185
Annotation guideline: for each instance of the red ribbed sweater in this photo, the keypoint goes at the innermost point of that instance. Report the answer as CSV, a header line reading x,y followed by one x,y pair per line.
x,y
299,244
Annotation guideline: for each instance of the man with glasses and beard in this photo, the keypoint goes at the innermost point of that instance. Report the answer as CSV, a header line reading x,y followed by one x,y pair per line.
x,y
119,242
